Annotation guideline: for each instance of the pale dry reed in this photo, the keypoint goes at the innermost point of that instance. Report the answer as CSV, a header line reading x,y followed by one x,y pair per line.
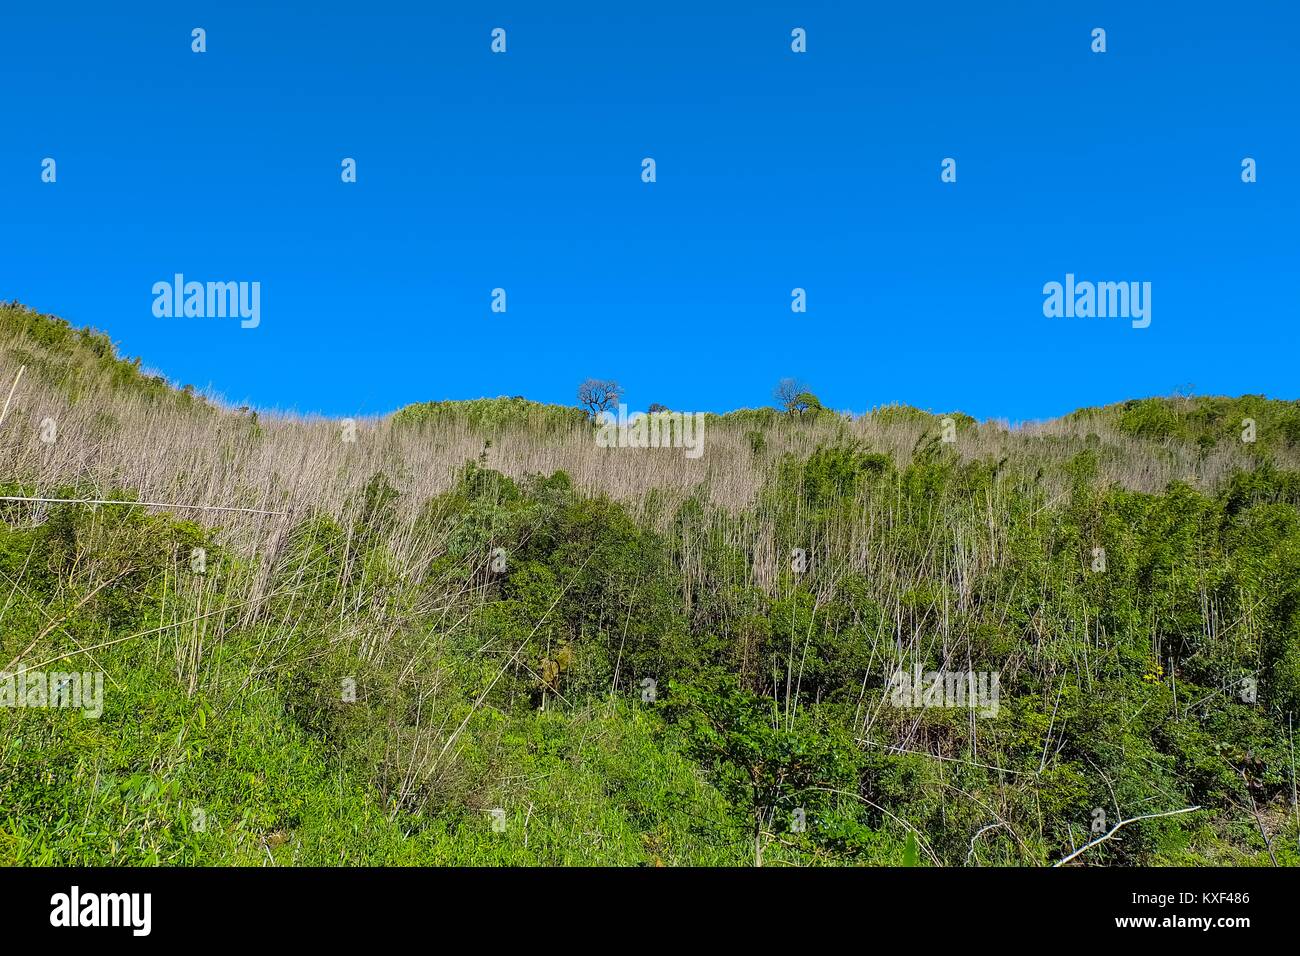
x,y
112,441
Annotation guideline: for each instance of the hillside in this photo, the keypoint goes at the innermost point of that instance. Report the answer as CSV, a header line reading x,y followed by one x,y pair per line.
x,y
466,633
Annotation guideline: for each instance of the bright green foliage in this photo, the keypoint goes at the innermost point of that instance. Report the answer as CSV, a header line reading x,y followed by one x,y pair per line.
x,y
489,415
81,360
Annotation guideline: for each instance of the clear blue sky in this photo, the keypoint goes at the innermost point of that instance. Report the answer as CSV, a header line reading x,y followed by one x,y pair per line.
x,y
775,170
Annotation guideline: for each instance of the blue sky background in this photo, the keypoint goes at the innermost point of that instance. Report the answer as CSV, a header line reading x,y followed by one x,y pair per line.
x,y
775,170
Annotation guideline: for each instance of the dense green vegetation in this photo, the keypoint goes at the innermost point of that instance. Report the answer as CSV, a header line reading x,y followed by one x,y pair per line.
x,y
1204,421
265,745
491,414
518,671
82,360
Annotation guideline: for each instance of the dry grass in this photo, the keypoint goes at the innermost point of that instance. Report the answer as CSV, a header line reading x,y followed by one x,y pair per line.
x,y
132,444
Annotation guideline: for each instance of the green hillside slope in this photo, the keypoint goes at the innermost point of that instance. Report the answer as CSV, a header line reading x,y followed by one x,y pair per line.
x,y
465,633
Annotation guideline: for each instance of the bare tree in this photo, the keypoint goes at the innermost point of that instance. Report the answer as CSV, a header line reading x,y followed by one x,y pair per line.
x,y
598,396
787,393
795,397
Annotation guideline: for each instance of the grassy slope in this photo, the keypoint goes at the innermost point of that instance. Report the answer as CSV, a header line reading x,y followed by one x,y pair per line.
x,y
520,690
